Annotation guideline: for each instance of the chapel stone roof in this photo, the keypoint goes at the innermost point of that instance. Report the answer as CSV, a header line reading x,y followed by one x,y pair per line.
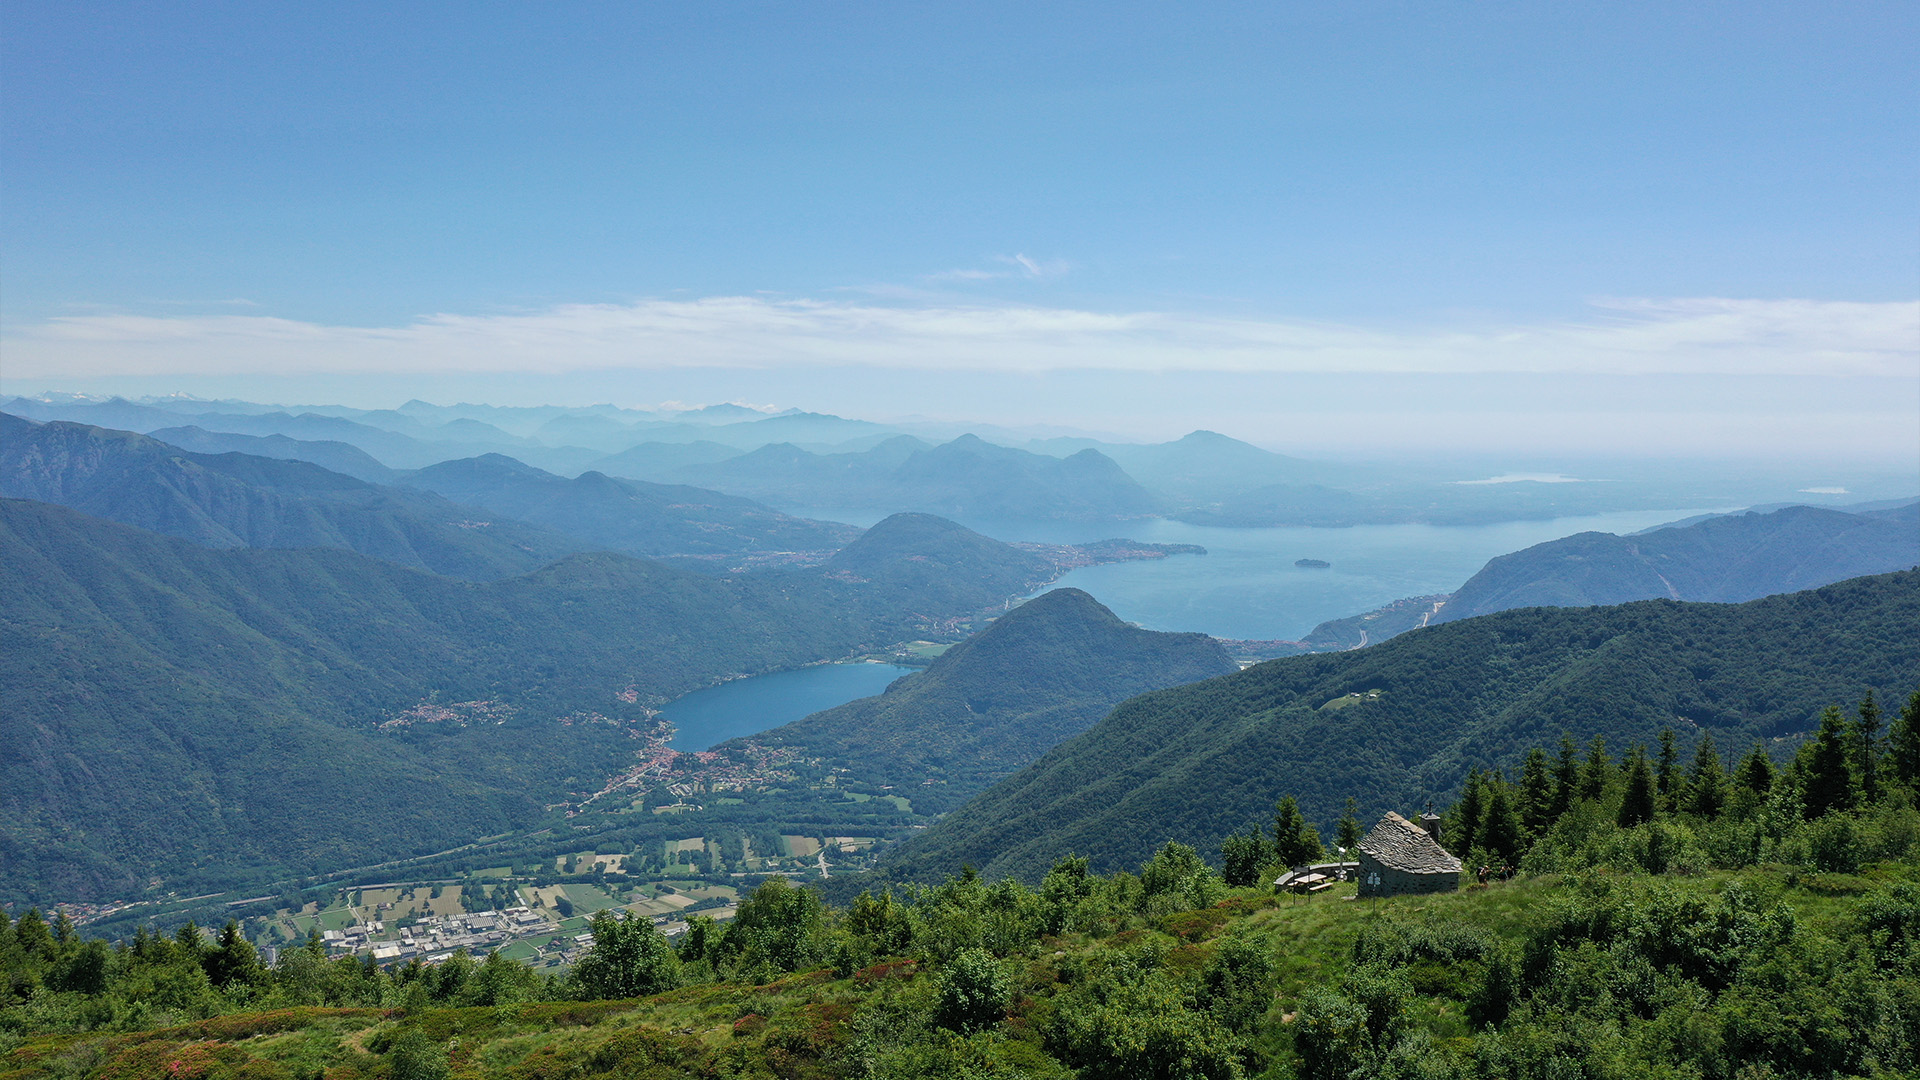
x,y
1399,844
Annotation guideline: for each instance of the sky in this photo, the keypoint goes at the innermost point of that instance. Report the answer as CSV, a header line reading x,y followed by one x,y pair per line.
x,y
1682,229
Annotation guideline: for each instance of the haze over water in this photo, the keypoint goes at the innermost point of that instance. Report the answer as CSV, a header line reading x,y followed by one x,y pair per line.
x,y
1246,586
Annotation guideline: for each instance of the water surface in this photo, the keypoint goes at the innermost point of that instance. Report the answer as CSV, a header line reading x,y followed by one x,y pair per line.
x,y
1247,585
708,717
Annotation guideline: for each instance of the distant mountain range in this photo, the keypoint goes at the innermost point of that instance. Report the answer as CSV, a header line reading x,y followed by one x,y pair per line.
x,y
1398,725
797,460
1725,558
231,500
966,478
1715,557
631,516
1042,673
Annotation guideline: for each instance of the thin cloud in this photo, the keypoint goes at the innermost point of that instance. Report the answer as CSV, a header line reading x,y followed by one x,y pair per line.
x,y
1696,336
1036,268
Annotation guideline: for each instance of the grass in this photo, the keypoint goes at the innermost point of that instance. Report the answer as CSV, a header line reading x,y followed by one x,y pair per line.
x,y
519,950
590,898
1309,939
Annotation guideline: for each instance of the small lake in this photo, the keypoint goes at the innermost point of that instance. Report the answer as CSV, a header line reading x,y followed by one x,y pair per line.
x,y
706,718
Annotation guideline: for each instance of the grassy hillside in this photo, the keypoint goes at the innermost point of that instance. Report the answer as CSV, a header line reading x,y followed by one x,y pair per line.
x,y
1197,762
1764,972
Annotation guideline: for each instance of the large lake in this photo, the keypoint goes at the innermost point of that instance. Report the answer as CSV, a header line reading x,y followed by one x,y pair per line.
x,y
706,718
1246,586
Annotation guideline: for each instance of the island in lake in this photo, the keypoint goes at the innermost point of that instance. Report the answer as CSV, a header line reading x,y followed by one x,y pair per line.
x,y
1312,564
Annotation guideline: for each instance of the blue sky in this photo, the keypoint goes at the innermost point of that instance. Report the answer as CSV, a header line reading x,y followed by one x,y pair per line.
x,y
860,207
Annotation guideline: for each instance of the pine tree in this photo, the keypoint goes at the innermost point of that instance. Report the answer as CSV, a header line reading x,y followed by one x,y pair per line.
x,y
232,959
1866,749
1348,831
1669,772
1536,793
1294,841
1595,774
1755,773
1243,855
1828,778
1708,781
1566,778
1466,815
1500,826
32,937
1903,744
1638,804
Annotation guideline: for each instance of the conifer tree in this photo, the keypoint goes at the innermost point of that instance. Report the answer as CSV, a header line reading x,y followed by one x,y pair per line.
x,y
1708,782
232,959
1756,770
1243,855
1669,771
1500,825
1828,777
1638,804
1903,744
1866,749
1294,841
1464,829
1566,778
1597,770
1348,831
35,941
1536,793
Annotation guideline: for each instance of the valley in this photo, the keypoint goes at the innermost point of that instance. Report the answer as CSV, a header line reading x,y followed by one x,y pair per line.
x,y
474,723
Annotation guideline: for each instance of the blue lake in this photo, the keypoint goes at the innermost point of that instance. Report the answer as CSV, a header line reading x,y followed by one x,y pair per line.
x,y
706,718
1247,585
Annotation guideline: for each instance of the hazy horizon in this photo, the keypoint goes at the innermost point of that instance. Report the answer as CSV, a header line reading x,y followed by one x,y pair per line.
x,y
1390,230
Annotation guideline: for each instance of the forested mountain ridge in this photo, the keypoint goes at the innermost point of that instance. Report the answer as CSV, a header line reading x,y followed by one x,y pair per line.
x,y
1042,673
631,516
910,559
1195,763
1722,559
967,477
240,500
337,456
153,692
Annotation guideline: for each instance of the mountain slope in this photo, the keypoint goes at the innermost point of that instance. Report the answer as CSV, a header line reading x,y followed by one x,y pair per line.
x,y
632,516
1727,559
1042,673
1205,465
967,477
333,456
239,500
910,560
1196,762
175,711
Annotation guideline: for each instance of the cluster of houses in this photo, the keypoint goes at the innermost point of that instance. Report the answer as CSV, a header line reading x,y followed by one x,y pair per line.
x,y
435,937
